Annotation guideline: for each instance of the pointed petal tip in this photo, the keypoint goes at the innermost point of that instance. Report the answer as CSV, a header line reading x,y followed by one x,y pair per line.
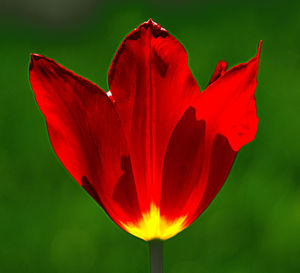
x,y
34,57
156,29
31,62
220,70
223,64
151,22
259,49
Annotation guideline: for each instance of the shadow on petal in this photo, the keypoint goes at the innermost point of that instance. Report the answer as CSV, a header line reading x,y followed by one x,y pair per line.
x,y
125,191
183,163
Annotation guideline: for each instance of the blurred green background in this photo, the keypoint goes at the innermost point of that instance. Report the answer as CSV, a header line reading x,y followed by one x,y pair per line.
x,y
49,224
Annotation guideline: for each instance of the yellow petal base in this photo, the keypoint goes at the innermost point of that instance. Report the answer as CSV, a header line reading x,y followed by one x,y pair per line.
x,y
154,226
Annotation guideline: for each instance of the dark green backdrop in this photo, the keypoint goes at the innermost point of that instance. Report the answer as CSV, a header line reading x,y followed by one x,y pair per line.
x,y
49,224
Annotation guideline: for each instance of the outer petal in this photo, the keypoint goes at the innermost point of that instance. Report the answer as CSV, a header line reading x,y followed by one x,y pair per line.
x,y
205,141
152,87
228,104
86,134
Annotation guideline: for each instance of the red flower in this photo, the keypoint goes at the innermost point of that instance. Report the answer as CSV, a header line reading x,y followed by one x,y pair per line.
x,y
154,150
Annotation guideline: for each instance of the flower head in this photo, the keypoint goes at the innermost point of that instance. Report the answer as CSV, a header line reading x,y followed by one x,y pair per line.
x,y
153,151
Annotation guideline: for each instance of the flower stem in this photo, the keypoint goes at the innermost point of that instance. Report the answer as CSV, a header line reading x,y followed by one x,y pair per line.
x,y
156,256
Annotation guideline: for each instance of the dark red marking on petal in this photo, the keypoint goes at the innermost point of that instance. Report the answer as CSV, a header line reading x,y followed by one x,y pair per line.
x,y
125,192
36,57
156,30
222,158
161,65
90,190
183,164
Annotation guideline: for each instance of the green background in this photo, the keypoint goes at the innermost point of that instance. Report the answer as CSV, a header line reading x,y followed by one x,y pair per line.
x,y
49,224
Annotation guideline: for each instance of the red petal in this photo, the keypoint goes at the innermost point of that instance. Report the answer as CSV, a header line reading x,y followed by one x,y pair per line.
x,y
221,159
152,86
205,141
219,71
184,162
228,104
196,166
86,134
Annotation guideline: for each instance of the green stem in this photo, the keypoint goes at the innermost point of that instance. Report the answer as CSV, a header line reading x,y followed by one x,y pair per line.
x,y
156,256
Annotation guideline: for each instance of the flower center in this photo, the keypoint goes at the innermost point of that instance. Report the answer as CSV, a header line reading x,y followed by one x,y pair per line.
x,y
154,226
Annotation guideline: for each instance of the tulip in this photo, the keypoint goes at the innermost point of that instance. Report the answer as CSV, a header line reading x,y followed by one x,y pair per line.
x,y
153,151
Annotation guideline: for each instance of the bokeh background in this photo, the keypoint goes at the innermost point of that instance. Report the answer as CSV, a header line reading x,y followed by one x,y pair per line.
x,y
49,224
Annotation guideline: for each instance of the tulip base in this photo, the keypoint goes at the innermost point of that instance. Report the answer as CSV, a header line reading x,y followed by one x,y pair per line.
x,y
156,256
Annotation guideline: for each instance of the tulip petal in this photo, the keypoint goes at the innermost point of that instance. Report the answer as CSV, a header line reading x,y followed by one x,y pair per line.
x,y
219,71
205,141
221,159
228,104
196,166
87,136
152,86
183,165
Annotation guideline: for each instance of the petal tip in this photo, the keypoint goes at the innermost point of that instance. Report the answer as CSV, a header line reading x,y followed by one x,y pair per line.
x,y
155,28
150,21
31,62
220,70
34,57
259,49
